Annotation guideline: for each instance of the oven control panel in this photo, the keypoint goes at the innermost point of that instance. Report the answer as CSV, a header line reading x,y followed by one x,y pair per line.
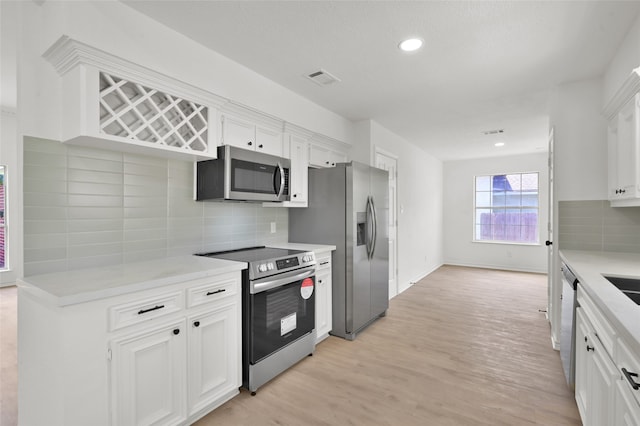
x,y
287,263
274,266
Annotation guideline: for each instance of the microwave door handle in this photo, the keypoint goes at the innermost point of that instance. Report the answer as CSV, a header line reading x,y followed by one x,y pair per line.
x,y
281,169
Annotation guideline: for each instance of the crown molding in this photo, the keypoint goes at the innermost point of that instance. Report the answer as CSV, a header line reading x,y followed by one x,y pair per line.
x,y
318,138
252,114
629,88
298,131
66,54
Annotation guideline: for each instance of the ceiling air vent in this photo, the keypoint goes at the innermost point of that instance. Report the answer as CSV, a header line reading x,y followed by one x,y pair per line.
x,y
323,78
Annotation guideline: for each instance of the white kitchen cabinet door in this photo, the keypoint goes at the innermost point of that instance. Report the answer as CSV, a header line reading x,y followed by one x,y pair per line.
x,y
582,364
336,157
149,378
319,156
214,359
627,412
238,132
323,297
246,134
299,173
596,375
624,154
269,141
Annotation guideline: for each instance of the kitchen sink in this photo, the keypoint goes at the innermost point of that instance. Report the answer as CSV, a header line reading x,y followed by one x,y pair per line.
x,y
629,286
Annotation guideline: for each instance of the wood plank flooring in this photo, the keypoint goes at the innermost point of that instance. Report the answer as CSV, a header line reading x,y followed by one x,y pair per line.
x,y
463,346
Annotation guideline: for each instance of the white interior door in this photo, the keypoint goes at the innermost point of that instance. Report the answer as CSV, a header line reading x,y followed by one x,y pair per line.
x,y
389,163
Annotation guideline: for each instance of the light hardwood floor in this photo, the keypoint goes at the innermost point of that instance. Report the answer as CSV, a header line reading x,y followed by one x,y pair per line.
x,y
463,346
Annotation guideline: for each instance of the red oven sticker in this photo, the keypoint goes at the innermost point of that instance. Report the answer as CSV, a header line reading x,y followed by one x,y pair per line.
x,y
306,289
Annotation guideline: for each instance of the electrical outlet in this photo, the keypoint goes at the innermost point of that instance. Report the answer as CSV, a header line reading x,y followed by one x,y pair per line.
x,y
273,227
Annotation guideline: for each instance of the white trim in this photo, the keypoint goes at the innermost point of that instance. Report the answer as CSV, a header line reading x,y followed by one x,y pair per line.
x,y
629,88
66,53
498,267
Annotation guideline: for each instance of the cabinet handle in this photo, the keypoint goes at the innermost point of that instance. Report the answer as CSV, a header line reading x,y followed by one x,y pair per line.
x,y
324,263
196,324
295,195
155,308
176,331
585,339
260,146
591,348
630,377
216,292
320,281
333,164
249,143
327,162
622,191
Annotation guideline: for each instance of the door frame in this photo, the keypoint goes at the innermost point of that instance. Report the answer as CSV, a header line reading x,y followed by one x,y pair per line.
x,y
395,157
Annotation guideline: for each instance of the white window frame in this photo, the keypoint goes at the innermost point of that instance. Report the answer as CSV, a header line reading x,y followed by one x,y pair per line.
x,y
508,242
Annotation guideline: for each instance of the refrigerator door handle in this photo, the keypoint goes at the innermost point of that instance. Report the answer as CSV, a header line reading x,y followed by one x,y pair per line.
x,y
375,227
369,231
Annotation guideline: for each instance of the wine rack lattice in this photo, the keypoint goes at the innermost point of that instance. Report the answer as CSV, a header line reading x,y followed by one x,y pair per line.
x,y
132,111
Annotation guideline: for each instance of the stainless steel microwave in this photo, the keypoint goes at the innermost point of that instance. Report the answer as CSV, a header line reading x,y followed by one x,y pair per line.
x,y
242,175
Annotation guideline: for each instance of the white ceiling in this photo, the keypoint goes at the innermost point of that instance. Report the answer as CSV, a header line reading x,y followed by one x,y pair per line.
x,y
485,64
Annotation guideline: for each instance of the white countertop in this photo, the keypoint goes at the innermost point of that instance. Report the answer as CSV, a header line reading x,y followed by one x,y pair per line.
x,y
589,267
302,246
83,285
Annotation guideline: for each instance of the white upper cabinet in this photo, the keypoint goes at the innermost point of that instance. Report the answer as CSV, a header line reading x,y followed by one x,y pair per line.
x,y
250,130
111,103
296,148
324,152
623,138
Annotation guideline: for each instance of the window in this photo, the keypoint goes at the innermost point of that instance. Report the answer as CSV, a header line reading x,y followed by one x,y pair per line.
x,y
3,235
506,208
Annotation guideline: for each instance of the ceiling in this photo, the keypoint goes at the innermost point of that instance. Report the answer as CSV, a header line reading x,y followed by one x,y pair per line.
x,y
485,65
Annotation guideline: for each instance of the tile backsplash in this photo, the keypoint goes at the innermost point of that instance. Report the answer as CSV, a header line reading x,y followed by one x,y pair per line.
x,y
595,225
86,207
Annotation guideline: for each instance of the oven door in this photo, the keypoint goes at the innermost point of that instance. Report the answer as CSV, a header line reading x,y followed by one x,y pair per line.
x,y
282,309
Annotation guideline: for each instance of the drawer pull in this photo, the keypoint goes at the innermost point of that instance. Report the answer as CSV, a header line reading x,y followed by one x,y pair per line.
x,y
591,348
324,263
630,377
216,292
155,308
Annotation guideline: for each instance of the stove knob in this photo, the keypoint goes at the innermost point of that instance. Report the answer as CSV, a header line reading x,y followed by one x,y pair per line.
x,y
270,266
262,267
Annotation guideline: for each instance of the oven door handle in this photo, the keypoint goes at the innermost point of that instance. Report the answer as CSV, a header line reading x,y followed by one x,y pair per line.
x,y
259,286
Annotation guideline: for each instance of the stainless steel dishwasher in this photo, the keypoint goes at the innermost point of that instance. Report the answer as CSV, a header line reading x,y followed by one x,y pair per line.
x,y
567,324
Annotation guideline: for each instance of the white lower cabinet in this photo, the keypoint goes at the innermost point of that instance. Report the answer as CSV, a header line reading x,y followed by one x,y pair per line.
x,y
213,361
149,376
162,356
169,374
627,412
596,375
604,393
324,293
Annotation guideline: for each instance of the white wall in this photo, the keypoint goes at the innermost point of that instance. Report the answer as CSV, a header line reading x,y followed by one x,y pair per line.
x,y
580,141
124,32
419,206
459,248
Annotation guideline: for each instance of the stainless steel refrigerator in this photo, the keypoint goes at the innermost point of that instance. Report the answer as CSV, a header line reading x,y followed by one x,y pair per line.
x,y
348,207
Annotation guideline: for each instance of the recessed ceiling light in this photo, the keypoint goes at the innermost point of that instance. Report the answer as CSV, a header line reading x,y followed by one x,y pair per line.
x,y
411,44
498,144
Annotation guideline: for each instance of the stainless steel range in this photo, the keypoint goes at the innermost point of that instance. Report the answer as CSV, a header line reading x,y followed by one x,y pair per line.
x,y
278,310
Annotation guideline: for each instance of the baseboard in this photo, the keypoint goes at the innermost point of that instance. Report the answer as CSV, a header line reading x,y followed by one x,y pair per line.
x,y
419,277
499,267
